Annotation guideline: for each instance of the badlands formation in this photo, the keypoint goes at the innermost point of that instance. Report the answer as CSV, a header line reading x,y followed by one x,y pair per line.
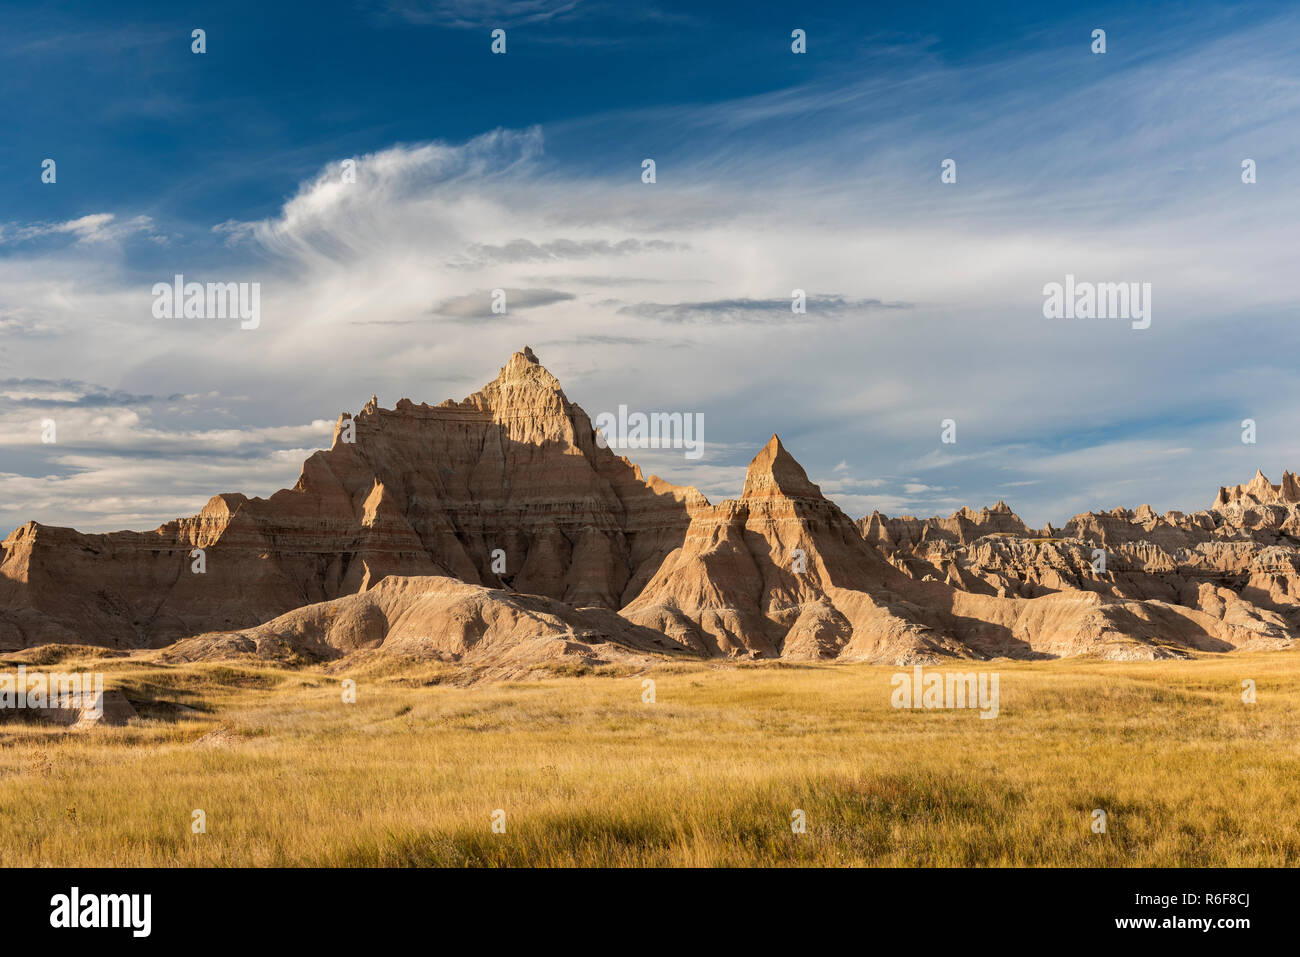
x,y
497,533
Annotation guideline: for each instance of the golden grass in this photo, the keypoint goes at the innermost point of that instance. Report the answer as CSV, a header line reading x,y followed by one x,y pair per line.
x,y
708,775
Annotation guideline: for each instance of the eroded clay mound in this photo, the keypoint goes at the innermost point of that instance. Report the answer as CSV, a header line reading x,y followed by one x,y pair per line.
x,y
437,618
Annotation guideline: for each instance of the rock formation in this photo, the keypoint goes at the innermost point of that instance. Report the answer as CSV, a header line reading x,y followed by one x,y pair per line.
x,y
438,618
495,532
1237,562
513,469
782,571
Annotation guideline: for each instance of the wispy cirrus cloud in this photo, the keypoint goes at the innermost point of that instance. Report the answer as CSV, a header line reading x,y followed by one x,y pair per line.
x,y
756,310
479,255
93,228
471,14
479,304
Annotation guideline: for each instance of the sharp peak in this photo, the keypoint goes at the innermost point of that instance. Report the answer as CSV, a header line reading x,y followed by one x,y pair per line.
x,y
770,453
524,367
1260,483
524,362
774,468
1286,492
774,447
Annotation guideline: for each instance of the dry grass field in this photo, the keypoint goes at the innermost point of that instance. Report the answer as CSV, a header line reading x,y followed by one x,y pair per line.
x,y
708,774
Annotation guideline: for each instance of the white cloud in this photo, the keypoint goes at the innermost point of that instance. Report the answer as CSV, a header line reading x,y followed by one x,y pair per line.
x,y
87,230
352,275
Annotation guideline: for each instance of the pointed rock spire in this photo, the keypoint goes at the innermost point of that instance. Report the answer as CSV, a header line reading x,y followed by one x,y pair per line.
x,y
524,369
1290,490
775,472
1261,489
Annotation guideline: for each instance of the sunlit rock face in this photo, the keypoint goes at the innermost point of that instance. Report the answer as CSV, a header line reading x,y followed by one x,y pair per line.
x,y
497,531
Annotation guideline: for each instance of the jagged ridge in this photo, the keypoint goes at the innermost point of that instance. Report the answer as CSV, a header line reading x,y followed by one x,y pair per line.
x,y
393,539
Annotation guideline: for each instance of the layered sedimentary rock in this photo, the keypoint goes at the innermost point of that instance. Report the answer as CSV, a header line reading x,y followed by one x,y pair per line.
x,y
495,531
1237,563
505,488
783,572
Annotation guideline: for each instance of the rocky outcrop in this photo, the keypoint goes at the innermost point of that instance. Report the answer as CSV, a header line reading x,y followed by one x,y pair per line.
x,y
1236,564
496,533
783,572
1260,491
506,488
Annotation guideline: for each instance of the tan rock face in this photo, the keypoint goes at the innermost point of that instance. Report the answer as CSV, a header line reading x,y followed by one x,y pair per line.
x,y
782,571
422,490
496,533
1236,564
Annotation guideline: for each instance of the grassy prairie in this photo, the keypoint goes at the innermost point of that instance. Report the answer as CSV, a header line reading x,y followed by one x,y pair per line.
x,y
709,774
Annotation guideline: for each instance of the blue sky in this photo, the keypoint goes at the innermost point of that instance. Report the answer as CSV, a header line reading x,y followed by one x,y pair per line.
x,y
775,171
143,123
